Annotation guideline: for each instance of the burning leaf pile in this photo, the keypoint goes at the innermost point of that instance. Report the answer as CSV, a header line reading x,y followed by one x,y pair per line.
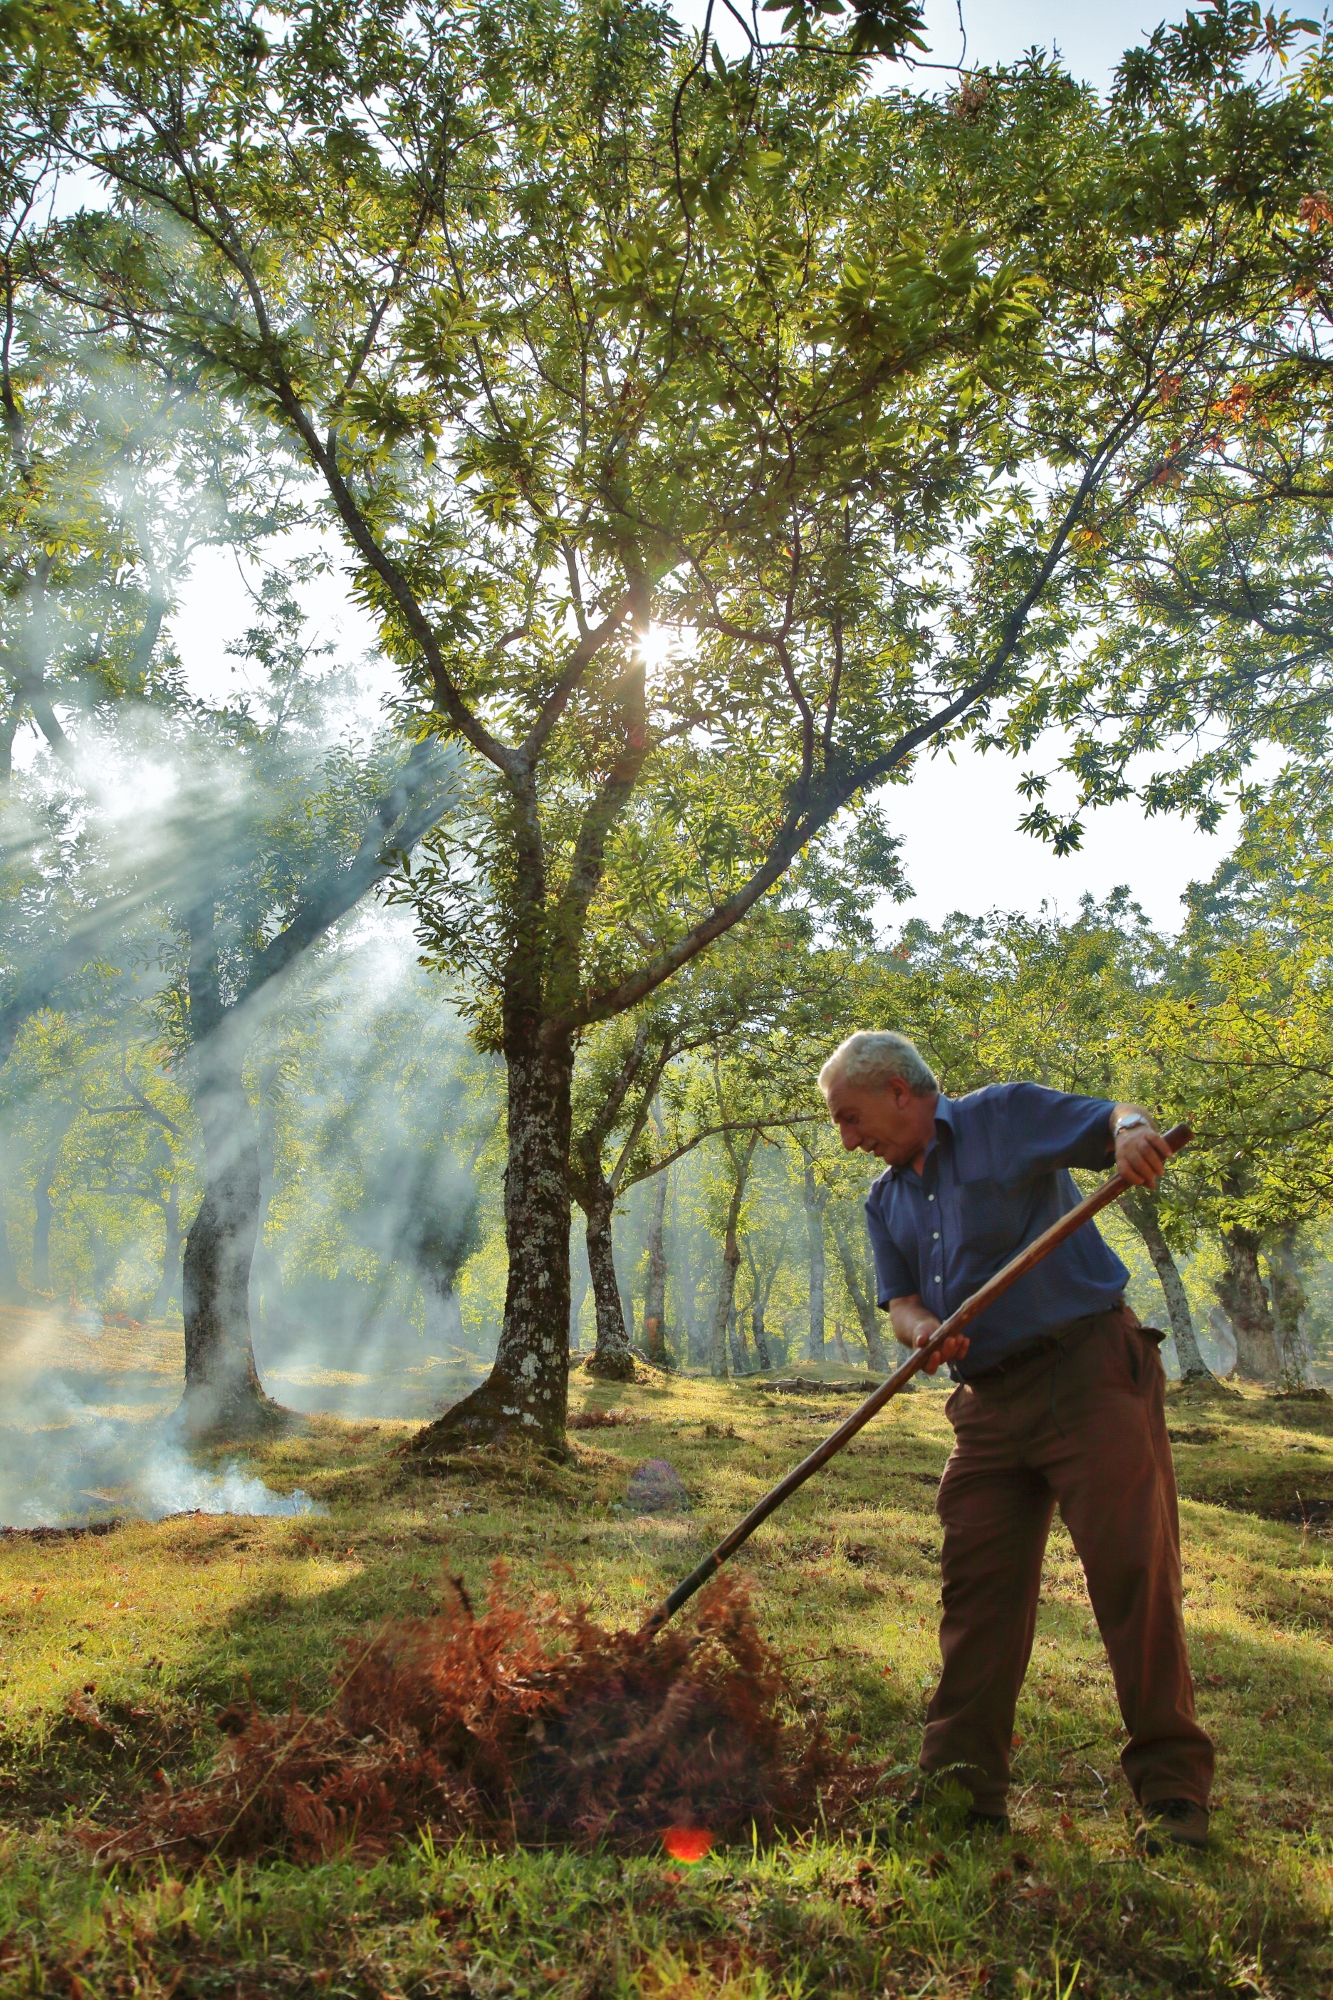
x,y
522,1724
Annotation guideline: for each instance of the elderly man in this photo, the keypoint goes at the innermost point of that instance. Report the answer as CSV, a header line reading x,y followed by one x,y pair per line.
x,y
1060,1402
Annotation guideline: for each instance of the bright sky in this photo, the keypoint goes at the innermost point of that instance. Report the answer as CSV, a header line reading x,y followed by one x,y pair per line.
x,y
1090,37
959,819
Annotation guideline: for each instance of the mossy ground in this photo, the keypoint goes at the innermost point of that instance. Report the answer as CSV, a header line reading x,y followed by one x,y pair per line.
x,y
166,1623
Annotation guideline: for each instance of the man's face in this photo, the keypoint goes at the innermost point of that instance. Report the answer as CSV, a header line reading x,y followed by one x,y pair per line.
x,y
888,1120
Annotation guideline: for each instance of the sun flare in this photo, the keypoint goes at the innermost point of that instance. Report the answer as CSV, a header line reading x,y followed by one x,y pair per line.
x,y
656,646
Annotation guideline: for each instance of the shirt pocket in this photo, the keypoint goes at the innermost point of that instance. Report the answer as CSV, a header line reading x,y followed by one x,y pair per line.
x,y
988,1217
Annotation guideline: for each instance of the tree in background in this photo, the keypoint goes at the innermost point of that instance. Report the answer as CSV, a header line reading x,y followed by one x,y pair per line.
x,y
814,1198
654,1296
309,835
585,334
421,1213
1064,1004
615,1093
1248,1037
739,1149
117,470
757,985
765,1251
380,1166
619,1085
847,1228
95,1128
145,1154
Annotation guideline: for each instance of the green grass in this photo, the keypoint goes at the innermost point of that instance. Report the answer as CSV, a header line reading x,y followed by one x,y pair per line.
x,y
166,1623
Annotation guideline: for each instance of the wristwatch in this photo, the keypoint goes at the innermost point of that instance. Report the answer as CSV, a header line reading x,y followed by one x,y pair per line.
x,y
1123,1124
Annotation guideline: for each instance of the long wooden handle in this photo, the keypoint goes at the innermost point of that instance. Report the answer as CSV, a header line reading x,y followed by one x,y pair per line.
x,y
1041,1246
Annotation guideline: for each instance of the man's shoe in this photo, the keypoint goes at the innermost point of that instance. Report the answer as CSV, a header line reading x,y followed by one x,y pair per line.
x,y
1172,1823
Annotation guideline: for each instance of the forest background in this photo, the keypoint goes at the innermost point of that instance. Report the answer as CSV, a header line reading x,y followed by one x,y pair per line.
x,y
277,953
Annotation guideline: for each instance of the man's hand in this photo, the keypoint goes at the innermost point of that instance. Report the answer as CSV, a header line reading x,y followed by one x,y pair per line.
x,y
914,1324
1140,1155
953,1349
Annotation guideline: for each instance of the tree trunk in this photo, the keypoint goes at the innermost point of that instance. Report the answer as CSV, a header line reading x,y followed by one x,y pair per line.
x,y
760,1333
740,1360
761,1294
1289,1314
863,1299
526,1393
612,1358
726,1292
264,1268
58,1121
840,1344
43,1211
731,1256
654,1298
578,1289
815,1199
222,1388
1224,1340
171,1253
11,1292
444,1316
698,1336
105,1259
1243,1299
1140,1208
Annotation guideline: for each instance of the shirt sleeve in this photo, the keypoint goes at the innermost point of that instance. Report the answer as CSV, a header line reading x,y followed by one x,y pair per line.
x,y
1045,1130
894,1278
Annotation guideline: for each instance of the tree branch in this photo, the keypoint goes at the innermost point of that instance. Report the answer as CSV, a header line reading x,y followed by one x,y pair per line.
x,y
407,810
800,826
712,1132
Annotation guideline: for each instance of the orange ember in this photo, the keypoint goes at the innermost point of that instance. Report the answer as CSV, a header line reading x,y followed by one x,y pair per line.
x,y
687,1843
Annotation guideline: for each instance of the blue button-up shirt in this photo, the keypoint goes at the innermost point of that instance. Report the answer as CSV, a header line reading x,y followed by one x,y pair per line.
x,y
994,1176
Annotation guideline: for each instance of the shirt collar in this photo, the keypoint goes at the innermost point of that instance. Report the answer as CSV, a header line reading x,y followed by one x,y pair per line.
x,y
944,1110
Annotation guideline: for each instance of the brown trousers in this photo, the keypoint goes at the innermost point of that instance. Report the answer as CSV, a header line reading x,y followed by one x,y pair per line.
x,y
1083,1428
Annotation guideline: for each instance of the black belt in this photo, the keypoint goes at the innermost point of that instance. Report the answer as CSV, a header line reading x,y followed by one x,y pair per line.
x,y
1023,1357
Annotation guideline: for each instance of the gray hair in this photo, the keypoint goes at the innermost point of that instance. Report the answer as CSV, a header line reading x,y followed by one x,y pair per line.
x,y
869,1058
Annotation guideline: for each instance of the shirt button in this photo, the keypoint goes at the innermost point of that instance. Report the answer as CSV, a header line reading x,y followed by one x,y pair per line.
x,y
937,1235
930,1197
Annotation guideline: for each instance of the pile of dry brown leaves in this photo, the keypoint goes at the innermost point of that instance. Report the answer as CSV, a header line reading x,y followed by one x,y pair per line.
x,y
523,1724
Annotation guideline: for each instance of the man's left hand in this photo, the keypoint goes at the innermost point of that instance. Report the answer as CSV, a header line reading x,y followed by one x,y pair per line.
x,y
1140,1155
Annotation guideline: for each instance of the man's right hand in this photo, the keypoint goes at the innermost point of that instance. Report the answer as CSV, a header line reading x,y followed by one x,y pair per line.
x,y
914,1323
953,1349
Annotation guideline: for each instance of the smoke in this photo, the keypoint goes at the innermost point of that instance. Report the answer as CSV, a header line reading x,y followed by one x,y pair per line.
x,y
379,1125
67,1463
352,1066
178,790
